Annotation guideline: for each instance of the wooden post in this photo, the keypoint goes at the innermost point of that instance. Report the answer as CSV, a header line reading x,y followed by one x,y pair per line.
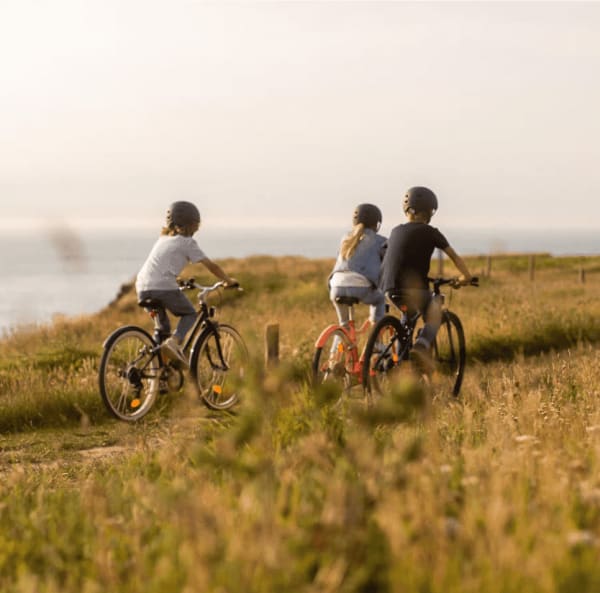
x,y
272,344
582,275
532,267
440,262
488,266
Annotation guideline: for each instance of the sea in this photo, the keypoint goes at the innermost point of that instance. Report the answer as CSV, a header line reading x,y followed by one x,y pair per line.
x,y
58,272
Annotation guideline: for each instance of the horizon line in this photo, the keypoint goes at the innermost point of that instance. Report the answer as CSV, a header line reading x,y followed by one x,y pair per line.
x,y
19,224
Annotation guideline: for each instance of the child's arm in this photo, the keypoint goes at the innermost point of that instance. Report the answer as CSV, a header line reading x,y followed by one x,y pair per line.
x,y
218,271
458,261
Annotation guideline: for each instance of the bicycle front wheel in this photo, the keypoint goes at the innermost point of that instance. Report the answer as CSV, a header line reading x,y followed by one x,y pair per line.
x,y
219,364
384,353
129,373
449,351
334,361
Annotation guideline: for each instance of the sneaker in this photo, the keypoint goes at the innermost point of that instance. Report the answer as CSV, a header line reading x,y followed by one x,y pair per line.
x,y
172,351
421,356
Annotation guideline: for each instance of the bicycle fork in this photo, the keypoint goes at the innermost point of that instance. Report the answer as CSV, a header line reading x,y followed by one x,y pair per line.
x,y
223,367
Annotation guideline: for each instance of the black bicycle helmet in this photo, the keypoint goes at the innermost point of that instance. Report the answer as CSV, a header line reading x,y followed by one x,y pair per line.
x,y
368,214
182,214
420,199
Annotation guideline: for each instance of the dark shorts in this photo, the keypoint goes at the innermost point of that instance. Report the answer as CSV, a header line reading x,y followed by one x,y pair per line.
x,y
173,301
414,299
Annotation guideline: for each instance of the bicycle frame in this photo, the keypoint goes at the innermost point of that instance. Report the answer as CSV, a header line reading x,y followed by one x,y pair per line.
x,y
204,321
410,321
352,333
399,339
133,370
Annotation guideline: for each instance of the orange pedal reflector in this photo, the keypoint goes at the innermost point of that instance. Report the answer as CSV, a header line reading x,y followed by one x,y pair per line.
x,y
217,389
340,347
395,357
135,403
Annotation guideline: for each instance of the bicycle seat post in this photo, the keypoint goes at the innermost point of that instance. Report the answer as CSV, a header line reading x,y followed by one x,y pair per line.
x,y
350,314
159,335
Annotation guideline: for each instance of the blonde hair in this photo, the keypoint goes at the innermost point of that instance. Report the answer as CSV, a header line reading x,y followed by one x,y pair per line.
x,y
171,231
350,243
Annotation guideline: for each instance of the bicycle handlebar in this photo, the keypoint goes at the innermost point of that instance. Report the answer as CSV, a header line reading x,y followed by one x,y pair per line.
x,y
190,284
454,282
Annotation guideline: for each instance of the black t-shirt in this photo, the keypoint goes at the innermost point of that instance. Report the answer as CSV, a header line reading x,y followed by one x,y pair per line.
x,y
409,250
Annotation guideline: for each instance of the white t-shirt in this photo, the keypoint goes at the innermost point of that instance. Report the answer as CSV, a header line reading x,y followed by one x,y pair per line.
x,y
167,258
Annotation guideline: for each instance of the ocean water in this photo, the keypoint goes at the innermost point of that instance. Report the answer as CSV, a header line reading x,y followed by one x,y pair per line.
x,y
59,272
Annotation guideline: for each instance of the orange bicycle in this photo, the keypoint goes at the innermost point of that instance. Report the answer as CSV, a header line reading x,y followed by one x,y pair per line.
x,y
336,356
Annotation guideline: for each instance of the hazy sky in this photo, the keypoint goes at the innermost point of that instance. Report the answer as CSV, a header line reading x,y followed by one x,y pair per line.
x,y
293,112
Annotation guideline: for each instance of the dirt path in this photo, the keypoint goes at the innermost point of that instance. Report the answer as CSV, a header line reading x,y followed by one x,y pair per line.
x,y
70,447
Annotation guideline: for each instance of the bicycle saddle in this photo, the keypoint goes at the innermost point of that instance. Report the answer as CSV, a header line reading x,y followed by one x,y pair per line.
x,y
345,300
150,304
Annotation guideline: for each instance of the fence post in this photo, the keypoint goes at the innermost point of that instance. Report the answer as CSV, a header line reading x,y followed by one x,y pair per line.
x,y
532,267
582,275
272,344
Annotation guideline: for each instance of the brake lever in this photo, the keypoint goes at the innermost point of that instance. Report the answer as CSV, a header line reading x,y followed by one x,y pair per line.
x,y
189,284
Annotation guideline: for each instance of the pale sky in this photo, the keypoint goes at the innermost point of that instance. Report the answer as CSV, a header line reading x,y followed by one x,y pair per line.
x,y
293,112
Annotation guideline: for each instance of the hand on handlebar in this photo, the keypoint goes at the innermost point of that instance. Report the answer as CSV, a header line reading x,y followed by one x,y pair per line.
x,y
463,280
232,283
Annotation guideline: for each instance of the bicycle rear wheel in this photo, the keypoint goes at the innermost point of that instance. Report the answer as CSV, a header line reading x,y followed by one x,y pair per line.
x,y
129,373
384,353
219,364
449,351
334,361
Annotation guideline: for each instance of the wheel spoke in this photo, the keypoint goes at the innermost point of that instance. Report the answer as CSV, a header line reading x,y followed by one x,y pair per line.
x,y
129,369
218,366
335,361
383,354
450,354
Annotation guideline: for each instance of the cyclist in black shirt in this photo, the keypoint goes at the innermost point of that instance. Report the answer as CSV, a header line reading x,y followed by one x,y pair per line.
x,y
406,265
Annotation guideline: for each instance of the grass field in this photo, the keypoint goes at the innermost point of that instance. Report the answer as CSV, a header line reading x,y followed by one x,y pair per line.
x,y
498,491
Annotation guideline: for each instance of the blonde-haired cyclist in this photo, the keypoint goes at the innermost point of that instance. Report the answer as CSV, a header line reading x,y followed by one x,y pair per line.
x,y
356,270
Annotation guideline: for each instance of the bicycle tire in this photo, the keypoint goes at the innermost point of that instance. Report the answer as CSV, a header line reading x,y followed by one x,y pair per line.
x,y
335,360
218,379
450,353
384,353
129,373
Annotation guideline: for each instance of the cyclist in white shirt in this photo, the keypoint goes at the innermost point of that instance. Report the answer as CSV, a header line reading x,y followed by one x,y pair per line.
x,y
157,278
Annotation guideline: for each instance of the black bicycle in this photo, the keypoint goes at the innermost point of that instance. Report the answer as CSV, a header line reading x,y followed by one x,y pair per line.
x,y
392,339
134,372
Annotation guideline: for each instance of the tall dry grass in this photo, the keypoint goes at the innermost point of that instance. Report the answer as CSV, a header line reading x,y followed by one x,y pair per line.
x,y
495,492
